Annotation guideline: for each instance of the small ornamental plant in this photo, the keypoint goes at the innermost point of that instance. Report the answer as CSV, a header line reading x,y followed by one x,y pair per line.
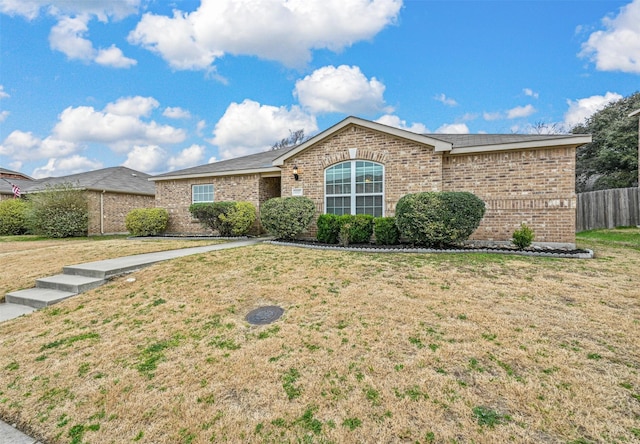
x,y
523,237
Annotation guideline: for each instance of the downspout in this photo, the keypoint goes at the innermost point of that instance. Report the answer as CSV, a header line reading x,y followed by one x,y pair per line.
x,y
102,212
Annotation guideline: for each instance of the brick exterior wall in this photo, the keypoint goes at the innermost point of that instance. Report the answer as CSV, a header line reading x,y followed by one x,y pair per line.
x,y
409,167
116,206
532,186
175,196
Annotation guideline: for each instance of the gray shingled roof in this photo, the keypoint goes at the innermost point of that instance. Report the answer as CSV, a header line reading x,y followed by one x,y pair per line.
x,y
251,162
9,172
467,140
5,185
115,179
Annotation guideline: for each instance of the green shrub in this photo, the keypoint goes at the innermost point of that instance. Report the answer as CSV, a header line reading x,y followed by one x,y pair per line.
x,y
438,218
13,217
287,217
60,211
386,231
208,214
328,228
239,219
146,221
360,227
523,237
344,237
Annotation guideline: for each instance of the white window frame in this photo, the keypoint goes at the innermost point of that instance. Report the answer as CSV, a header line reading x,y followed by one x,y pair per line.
x,y
353,195
193,193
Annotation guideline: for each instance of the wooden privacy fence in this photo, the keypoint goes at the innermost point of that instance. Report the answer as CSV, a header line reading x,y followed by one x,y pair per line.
x,y
608,209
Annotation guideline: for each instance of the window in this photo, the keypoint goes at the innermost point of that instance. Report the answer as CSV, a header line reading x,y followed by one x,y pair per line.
x,y
354,187
202,193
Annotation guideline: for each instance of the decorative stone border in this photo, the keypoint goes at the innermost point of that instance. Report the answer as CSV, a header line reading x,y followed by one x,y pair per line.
x,y
569,254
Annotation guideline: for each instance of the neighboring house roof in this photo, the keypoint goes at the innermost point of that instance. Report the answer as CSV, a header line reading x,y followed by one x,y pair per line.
x,y
115,179
270,161
13,174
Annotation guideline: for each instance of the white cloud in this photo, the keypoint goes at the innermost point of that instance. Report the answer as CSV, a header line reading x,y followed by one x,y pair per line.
x,y
102,9
530,93
3,95
65,166
148,158
176,113
343,89
445,100
520,111
282,30
24,146
492,116
186,158
202,124
249,127
67,36
118,126
132,106
114,57
396,122
453,128
617,47
580,109
4,115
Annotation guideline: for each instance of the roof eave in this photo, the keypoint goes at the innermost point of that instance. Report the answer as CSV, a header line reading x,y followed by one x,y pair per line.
x,y
570,141
217,174
439,145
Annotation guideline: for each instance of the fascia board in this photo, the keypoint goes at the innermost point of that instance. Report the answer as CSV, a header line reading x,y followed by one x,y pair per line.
x,y
635,113
218,174
568,141
439,145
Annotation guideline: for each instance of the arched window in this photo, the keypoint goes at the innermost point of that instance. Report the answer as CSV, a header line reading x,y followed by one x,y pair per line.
x,y
354,187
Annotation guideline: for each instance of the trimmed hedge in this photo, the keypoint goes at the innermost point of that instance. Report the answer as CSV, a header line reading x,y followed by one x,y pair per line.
x,y
386,231
328,228
59,211
287,217
146,221
438,218
228,218
13,217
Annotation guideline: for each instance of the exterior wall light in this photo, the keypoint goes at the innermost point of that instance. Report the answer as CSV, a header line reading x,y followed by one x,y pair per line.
x,y
295,172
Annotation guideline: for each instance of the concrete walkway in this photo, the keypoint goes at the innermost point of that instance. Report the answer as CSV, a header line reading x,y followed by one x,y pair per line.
x,y
51,290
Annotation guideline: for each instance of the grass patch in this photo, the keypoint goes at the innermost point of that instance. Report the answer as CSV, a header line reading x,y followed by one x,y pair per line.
x,y
373,348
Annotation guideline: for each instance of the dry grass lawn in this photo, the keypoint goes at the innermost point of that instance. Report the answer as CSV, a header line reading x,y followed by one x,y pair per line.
x,y
372,348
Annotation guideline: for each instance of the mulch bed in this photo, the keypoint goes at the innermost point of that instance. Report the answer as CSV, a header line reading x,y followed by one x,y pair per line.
x,y
409,248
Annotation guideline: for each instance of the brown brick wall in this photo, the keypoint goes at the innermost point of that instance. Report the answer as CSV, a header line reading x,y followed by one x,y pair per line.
x,y
532,186
116,206
175,196
409,166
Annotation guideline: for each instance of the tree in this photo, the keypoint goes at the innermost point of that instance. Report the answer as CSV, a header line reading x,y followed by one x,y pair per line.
x,y
60,210
295,138
611,160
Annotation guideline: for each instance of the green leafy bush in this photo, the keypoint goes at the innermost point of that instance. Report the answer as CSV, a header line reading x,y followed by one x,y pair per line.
x,y
13,217
328,228
146,221
228,218
60,211
360,227
386,231
239,219
287,217
523,237
438,218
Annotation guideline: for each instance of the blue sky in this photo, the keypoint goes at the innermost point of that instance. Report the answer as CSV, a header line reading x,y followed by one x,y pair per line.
x,y
163,85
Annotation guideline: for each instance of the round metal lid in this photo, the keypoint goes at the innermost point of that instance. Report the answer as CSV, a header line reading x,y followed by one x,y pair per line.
x,y
264,315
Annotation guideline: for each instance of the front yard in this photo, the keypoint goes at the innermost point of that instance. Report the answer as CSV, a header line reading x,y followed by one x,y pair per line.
x,y
371,348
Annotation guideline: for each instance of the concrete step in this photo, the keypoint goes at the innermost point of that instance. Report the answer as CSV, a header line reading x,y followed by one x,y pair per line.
x,y
37,297
67,282
10,311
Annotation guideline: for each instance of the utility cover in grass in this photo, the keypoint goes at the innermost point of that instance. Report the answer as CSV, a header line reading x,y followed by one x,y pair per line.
x,y
264,315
